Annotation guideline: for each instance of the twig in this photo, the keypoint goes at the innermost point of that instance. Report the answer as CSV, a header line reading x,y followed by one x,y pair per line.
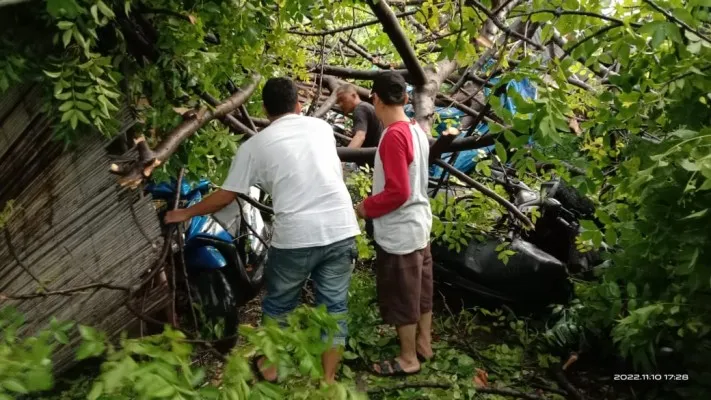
x,y
166,12
438,385
254,231
566,385
66,292
676,20
363,53
558,13
314,102
349,28
178,190
181,250
549,389
591,36
13,253
138,224
495,20
409,385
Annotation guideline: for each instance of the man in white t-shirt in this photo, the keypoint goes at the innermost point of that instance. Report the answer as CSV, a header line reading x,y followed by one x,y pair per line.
x,y
295,160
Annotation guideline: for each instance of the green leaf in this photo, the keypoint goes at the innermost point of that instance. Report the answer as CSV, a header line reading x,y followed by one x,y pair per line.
x,y
501,152
631,289
684,15
14,385
64,25
688,165
105,9
697,214
67,37
96,391
66,106
52,74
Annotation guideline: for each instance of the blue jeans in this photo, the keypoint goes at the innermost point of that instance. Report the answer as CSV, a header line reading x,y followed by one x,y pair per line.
x,y
329,266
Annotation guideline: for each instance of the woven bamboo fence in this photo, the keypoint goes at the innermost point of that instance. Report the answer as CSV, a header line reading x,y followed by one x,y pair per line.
x,y
72,225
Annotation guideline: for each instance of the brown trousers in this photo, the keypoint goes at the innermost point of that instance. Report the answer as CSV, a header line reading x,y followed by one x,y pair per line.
x,y
404,285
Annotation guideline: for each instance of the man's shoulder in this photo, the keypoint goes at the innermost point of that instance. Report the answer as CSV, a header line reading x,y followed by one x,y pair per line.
x,y
399,128
365,106
313,122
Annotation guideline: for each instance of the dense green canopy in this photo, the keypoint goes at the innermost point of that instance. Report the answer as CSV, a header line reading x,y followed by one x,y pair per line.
x,y
619,70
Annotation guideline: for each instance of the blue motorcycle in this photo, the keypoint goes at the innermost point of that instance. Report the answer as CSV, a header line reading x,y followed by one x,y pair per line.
x,y
225,253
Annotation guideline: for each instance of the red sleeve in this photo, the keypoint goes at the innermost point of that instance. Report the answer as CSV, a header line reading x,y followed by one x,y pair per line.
x,y
396,153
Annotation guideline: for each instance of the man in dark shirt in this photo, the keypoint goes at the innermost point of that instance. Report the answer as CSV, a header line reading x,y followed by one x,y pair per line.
x,y
366,126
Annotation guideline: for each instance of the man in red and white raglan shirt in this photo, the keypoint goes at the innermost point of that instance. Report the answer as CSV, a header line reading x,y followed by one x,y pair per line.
x,y
402,221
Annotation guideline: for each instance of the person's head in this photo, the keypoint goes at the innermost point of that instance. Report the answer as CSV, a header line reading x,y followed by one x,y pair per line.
x,y
347,97
389,93
280,96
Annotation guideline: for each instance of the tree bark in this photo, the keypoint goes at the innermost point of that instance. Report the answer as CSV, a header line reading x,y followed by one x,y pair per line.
x,y
391,26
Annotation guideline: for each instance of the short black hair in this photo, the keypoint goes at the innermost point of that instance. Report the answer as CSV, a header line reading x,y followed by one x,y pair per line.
x,y
391,88
279,96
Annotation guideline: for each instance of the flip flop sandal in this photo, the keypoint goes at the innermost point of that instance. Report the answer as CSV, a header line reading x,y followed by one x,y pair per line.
x,y
258,372
392,368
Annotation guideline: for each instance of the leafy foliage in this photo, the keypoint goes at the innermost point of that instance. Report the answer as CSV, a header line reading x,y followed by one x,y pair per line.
x,y
645,67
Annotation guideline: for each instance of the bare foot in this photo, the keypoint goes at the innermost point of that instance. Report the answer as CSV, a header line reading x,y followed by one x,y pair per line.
x,y
269,374
424,348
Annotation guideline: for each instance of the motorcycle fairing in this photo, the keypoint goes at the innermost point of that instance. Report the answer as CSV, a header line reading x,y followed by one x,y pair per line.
x,y
530,275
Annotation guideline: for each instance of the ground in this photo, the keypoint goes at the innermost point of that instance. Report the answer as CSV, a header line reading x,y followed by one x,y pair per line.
x,y
479,354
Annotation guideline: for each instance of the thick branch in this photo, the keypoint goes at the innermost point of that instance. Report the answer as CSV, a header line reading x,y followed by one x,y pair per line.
x,y
485,190
233,123
444,140
168,146
367,154
392,28
351,27
332,84
150,159
351,73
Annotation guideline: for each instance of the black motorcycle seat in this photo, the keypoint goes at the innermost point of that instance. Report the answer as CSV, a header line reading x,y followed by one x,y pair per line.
x,y
480,262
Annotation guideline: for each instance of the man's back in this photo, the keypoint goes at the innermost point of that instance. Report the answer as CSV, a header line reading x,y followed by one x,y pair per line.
x,y
365,113
295,160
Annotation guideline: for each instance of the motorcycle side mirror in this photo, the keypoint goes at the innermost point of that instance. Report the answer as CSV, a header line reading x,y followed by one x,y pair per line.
x,y
203,186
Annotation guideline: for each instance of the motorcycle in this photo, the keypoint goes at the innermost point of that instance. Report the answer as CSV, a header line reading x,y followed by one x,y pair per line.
x,y
544,258
224,253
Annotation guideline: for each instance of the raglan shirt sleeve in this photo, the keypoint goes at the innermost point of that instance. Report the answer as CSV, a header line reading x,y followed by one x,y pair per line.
x,y
242,174
396,154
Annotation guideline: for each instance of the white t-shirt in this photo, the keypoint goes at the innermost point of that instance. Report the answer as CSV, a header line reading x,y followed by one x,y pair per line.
x,y
295,160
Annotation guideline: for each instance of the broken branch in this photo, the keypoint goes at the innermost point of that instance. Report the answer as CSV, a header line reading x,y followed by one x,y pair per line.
x,y
485,190
150,159
392,28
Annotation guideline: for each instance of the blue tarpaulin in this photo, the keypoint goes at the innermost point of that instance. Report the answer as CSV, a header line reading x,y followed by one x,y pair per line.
x,y
451,117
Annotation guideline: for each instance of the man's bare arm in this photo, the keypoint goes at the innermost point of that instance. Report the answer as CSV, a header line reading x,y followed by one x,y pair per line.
x,y
211,204
357,140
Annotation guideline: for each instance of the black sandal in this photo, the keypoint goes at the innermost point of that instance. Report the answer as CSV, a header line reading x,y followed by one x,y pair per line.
x,y
258,371
392,368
